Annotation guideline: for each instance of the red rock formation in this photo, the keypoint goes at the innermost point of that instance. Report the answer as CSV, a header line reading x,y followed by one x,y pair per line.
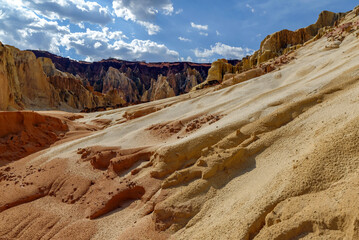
x,y
23,133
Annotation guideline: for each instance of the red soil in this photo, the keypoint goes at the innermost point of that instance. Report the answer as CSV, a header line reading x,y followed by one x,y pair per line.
x,y
23,133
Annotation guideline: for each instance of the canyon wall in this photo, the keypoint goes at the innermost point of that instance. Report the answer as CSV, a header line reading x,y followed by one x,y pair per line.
x,y
135,81
40,80
34,83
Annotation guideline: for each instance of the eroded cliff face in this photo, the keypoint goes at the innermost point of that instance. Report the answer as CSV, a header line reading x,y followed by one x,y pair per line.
x,y
23,83
66,84
275,50
273,158
135,82
284,41
39,83
34,83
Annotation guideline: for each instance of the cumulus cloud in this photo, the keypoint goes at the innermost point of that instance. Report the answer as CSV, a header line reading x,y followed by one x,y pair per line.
x,y
223,50
199,27
188,59
25,29
76,11
204,60
151,28
143,11
83,43
184,39
203,34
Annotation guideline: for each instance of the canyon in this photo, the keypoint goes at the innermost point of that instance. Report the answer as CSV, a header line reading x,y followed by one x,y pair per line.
x,y
261,148
40,80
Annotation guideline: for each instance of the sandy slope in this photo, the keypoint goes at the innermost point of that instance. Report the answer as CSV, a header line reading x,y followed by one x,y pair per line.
x,y
275,157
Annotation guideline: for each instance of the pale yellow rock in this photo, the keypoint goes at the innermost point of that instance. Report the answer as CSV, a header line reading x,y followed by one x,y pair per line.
x,y
159,89
215,73
333,45
31,83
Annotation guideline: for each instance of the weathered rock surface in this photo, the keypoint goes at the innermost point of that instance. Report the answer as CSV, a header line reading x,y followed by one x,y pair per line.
x,y
34,83
277,44
22,79
271,158
134,81
23,133
40,83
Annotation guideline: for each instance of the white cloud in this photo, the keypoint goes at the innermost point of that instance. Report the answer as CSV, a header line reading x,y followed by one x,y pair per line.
x,y
250,8
199,27
223,50
168,9
204,60
203,34
218,33
76,11
97,45
179,11
184,39
23,28
143,49
152,29
81,25
143,12
188,59
89,59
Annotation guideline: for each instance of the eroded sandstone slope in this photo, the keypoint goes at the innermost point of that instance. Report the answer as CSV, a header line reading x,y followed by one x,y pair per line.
x,y
275,50
274,157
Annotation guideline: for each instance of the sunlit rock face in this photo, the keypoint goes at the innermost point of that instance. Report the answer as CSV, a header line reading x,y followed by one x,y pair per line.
x,y
262,155
34,83
135,81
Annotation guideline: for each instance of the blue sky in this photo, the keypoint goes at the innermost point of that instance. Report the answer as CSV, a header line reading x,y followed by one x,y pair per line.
x,y
154,30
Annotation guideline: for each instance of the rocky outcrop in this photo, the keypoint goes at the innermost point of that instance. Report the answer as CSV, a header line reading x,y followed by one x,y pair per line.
x,y
133,81
284,41
34,83
216,73
218,69
46,81
159,89
276,47
23,83
117,81
23,133
273,158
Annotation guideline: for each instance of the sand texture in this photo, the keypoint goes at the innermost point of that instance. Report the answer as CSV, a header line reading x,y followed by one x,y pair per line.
x,y
273,157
